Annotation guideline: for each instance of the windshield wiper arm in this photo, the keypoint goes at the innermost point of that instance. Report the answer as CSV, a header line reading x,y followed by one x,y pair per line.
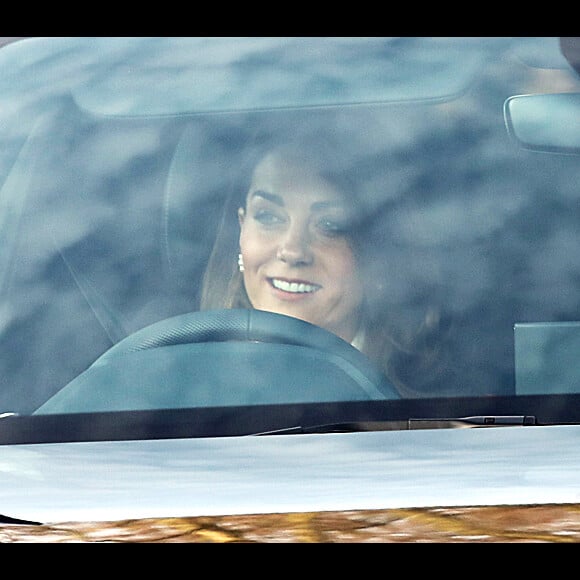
x,y
473,421
410,424
344,427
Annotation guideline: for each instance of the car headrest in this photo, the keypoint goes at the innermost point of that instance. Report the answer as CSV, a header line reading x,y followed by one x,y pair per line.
x,y
199,179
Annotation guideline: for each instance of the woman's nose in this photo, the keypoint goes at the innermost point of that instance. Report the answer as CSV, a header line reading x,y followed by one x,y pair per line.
x,y
294,248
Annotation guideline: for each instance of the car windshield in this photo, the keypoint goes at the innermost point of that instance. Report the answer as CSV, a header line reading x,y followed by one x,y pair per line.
x,y
261,225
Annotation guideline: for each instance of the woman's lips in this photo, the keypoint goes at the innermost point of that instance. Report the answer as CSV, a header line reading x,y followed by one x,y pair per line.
x,y
295,287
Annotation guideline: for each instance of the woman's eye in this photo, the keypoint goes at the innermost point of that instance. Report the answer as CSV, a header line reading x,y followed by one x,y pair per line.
x,y
332,227
267,218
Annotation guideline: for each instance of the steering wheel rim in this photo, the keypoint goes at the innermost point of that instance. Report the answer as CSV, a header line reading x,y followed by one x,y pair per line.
x,y
230,324
195,359
239,324
253,325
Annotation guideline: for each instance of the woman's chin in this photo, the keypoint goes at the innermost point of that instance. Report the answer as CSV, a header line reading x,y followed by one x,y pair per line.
x,y
291,310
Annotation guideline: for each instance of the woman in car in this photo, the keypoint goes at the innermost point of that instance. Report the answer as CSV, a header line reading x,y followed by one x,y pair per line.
x,y
297,239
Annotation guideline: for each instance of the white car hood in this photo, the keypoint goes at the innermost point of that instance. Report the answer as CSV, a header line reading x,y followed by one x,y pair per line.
x,y
106,481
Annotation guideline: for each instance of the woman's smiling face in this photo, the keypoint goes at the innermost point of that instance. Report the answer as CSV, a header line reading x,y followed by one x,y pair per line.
x,y
297,257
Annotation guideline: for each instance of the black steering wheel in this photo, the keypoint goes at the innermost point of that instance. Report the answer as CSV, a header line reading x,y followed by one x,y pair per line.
x,y
235,325
223,357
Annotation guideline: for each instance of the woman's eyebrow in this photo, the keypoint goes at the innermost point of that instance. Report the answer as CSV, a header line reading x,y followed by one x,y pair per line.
x,y
274,198
279,200
325,205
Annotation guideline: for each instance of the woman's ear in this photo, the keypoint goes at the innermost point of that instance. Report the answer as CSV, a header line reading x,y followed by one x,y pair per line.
x,y
241,216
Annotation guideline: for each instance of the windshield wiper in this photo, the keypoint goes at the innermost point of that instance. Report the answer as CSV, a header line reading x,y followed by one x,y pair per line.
x,y
474,421
410,424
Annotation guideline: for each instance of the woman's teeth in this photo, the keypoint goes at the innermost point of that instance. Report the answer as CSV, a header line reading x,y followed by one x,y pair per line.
x,y
295,287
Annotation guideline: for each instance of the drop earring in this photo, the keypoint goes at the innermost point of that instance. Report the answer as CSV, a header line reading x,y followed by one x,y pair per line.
x,y
241,262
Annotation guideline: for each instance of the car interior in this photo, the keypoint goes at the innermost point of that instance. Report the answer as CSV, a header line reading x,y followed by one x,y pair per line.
x,y
109,208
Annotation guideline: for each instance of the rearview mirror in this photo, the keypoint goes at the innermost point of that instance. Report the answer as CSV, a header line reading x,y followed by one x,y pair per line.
x,y
548,122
